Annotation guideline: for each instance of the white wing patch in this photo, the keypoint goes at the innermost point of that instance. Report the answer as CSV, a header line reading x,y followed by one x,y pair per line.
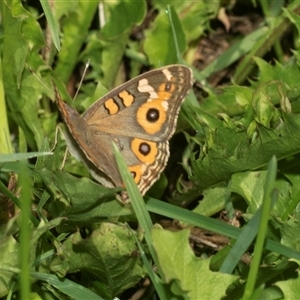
x,y
145,87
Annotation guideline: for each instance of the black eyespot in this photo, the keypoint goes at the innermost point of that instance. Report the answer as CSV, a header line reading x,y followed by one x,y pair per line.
x,y
152,115
144,148
168,86
133,174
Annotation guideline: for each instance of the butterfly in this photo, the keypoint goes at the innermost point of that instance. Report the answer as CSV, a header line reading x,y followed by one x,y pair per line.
x,y
139,116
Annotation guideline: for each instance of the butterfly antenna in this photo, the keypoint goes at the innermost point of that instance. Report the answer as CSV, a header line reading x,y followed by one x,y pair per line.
x,y
81,80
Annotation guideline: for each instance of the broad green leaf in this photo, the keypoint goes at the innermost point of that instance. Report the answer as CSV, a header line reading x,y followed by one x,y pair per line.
x,y
231,100
288,168
287,74
228,150
81,200
74,29
213,201
290,287
107,49
161,34
128,14
250,186
192,275
289,231
193,15
22,90
9,262
110,253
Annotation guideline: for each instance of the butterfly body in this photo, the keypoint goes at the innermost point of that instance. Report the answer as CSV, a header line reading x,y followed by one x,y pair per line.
x,y
140,116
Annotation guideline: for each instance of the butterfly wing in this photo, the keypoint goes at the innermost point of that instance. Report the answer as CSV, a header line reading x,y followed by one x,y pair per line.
x,y
140,116
146,107
89,147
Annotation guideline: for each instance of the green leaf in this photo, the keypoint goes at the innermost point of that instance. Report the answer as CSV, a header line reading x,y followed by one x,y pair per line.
x,y
9,262
290,237
81,200
290,287
193,15
127,12
179,263
109,252
231,101
22,89
161,34
229,150
283,73
250,185
173,212
74,30
213,201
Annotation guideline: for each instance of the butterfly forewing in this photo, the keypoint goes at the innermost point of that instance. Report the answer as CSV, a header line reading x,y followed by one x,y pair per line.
x,y
145,107
140,116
